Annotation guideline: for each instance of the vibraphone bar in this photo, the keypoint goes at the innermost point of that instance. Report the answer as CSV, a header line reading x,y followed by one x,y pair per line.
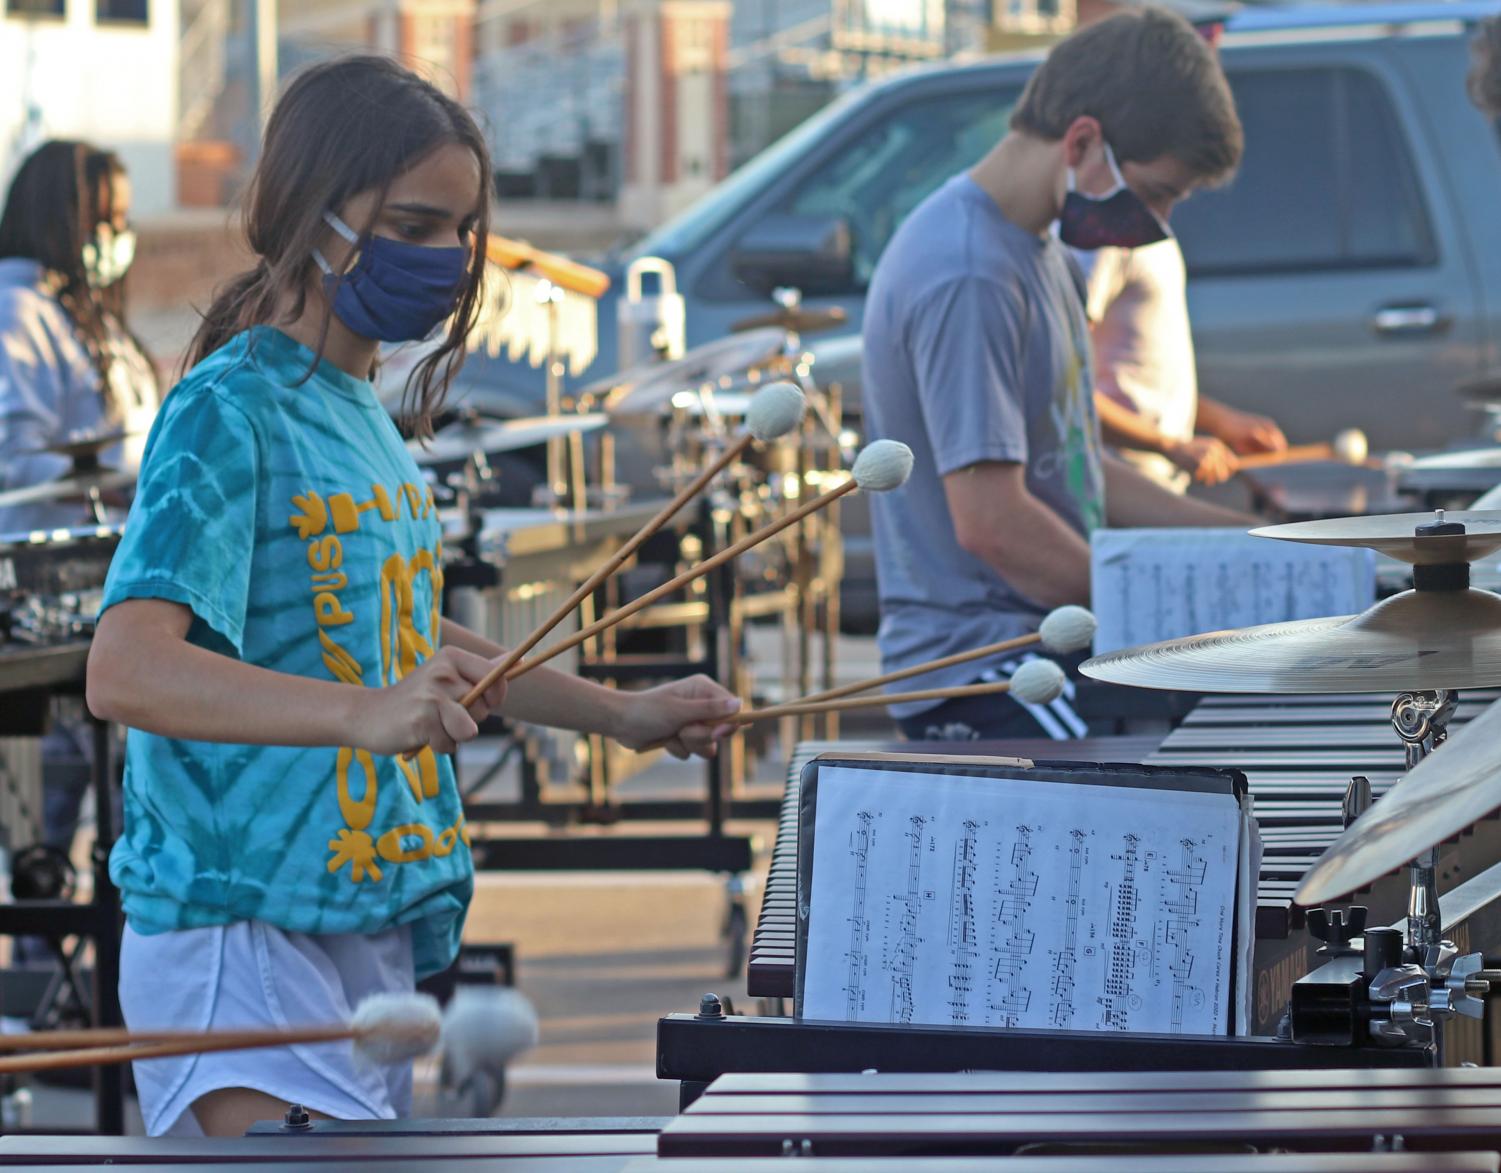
x,y
1335,1121
978,1113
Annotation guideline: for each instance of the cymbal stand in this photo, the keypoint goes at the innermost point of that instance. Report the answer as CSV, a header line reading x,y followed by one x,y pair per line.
x,y
1391,991
1421,720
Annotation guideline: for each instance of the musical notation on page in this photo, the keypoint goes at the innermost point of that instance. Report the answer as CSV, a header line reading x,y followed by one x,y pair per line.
x,y
1148,585
971,901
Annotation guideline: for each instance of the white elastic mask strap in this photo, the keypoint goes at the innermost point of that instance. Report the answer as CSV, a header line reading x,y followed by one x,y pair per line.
x,y
351,235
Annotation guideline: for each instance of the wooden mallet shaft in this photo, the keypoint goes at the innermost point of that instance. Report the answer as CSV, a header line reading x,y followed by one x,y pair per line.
x,y
707,566
1293,455
810,706
614,563
1005,645
148,1045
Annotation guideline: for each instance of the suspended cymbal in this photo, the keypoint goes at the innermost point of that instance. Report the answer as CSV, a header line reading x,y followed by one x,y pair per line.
x,y
799,320
1415,640
86,446
69,488
461,441
729,360
1482,391
1393,534
1451,789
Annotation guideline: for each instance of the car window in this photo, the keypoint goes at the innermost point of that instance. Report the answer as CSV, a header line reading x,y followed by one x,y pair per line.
x,y
1326,182
876,178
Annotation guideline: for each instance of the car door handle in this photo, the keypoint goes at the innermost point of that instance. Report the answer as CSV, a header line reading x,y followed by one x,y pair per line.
x,y
1408,319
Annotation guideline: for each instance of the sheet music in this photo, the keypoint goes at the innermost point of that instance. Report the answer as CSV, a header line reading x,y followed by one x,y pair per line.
x,y
998,902
1148,585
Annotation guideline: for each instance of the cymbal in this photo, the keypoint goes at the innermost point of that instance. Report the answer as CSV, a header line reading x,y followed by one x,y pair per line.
x,y
731,359
1392,534
461,441
799,320
1483,391
1414,640
85,446
68,488
1451,789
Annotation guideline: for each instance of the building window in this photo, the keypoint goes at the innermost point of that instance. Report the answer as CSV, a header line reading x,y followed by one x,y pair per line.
x,y
51,9
122,12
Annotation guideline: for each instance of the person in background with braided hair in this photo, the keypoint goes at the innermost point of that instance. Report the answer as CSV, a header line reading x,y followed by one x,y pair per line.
x,y
70,366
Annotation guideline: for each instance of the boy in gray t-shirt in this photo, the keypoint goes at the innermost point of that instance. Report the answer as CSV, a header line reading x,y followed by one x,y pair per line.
x,y
977,356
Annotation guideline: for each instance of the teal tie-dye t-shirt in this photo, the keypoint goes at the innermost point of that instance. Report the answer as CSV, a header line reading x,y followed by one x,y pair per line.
x,y
285,512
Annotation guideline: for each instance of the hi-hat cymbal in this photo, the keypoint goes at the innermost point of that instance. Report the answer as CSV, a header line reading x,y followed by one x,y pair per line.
x,y
463,440
1393,534
69,488
1414,640
730,359
798,319
1451,789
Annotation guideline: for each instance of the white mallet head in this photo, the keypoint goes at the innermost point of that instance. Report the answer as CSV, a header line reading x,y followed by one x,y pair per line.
x,y
1351,446
397,1028
774,411
882,465
484,1028
1067,629
1037,682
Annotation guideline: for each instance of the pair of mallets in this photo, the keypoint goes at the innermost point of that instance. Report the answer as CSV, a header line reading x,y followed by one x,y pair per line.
x,y
773,412
482,1027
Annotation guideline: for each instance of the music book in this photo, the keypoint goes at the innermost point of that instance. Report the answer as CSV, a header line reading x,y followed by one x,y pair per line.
x,y
1148,585
999,892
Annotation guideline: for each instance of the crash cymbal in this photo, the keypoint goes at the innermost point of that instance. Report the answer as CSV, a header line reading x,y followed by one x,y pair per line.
x,y
463,440
88,446
75,487
728,360
1414,640
1393,534
1451,789
799,320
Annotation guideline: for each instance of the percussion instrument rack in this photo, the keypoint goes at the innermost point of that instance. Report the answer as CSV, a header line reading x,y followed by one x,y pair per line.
x,y
30,676
531,553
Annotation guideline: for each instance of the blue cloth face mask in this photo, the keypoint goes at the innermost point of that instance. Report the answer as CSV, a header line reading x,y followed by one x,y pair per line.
x,y
395,292
1117,218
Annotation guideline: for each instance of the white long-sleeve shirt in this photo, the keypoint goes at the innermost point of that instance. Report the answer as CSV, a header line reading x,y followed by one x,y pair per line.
x,y
49,392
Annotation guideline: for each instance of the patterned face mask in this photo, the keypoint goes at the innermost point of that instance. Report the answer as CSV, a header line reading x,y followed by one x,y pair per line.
x,y
1117,218
108,256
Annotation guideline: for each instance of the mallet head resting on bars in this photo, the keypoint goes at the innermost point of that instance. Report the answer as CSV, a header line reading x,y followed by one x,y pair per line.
x,y
1067,629
882,465
1037,682
774,411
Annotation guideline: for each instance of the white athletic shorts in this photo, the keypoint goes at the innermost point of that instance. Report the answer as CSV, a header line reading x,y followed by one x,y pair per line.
x,y
252,974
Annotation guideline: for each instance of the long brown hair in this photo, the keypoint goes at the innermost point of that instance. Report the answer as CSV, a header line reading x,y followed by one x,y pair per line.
x,y
341,128
59,197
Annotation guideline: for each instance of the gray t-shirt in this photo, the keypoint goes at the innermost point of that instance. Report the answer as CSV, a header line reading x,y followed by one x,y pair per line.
x,y
976,349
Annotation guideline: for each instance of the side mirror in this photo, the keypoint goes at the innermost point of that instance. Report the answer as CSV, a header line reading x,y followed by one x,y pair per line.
x,y
813,254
